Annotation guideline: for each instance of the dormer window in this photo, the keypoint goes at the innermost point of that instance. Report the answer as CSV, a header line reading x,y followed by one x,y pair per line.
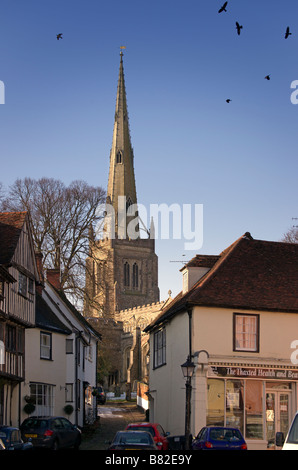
x,y
119,157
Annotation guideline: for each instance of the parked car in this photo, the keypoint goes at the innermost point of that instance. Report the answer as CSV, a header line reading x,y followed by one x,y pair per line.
x,y
51,433
10,439
219,438
156,431
101,396
290,441
133,440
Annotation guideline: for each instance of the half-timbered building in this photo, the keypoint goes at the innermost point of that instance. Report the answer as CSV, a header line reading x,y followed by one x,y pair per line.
x,y
18,278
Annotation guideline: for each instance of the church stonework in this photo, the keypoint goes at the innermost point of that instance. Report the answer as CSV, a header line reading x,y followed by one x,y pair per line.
x,y
121,272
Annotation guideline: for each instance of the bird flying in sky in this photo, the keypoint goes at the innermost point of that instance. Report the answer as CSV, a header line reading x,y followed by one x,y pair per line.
x,y
238,27
287,33
223,8
228,100
267,77
59,36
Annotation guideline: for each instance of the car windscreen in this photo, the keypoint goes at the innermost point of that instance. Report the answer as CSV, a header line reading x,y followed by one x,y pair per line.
x,y
293,433
143,428
132,438
32,423
222,434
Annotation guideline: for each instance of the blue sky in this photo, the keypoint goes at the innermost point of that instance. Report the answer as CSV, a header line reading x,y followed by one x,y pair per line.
x,y
182,61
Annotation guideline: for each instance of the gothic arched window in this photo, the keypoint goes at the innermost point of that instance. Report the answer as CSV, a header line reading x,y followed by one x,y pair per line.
x,y
126,274
135,276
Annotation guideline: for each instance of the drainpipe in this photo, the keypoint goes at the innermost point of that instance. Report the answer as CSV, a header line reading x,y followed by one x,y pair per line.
x,y
189,311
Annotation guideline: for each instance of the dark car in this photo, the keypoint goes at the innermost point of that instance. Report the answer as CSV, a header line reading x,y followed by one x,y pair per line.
x,y
51,433
10,439
101,396
132,440
159,435
219,438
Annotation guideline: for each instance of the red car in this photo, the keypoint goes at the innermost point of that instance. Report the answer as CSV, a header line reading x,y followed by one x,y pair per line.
x,y
155,429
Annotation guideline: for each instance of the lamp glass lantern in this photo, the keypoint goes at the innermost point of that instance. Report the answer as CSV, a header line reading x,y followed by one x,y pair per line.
x,y
188,369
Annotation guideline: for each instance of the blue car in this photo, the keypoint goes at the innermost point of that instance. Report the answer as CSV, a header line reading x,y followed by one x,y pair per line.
x,y
10,439
219,438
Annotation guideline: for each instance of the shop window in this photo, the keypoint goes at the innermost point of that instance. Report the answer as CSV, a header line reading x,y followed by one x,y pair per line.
x,y
246,332
235,404
216,403
254,409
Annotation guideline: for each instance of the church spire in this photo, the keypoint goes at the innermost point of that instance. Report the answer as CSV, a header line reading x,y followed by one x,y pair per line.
x,y
121,174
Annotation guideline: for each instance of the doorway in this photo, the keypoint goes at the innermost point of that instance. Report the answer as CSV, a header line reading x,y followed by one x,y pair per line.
x,y
278,405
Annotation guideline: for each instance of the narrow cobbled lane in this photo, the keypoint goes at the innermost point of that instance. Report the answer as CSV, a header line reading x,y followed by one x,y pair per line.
x,y
113,417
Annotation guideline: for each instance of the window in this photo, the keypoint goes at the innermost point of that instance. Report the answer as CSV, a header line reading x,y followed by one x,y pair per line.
x,y
1,289
119,157
135,276
126,274
69,392
45,346
30,286
22,284
246,332
159,348
43,397
69,346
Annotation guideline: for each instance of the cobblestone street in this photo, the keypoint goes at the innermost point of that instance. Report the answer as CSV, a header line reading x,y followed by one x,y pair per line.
x,y
113,417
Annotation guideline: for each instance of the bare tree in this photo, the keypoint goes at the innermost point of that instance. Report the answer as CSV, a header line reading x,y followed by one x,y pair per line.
x,y
61,217
291,236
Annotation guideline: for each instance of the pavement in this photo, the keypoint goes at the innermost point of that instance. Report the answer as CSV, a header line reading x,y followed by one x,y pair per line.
x,y
112,417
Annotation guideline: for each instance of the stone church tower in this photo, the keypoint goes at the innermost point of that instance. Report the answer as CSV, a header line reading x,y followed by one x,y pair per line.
x,y
122,269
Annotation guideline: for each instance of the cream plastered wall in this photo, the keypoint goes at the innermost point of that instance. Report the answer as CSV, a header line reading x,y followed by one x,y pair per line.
x,y
213,331
167,385
51,372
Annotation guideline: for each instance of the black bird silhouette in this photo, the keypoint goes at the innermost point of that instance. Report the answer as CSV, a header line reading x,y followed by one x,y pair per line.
x,y
223,8
228,100
287,33
238,27
59,36
267,77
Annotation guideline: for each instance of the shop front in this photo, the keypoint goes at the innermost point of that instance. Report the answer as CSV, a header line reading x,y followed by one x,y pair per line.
x,y
259,401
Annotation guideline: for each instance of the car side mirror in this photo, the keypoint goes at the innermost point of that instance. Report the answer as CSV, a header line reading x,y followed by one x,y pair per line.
x,y
279,439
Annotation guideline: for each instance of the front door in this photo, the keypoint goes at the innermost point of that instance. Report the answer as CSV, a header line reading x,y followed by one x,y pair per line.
x,y
277,414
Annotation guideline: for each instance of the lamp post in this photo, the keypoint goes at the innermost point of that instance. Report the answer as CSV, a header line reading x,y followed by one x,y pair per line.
x,y
187,369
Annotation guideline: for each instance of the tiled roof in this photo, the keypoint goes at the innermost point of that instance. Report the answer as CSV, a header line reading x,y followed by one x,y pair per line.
x,y
11,224
46,318
250,274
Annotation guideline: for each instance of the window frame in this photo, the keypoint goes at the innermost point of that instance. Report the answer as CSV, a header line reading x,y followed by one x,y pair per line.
x,y
49,348
241,348
159,348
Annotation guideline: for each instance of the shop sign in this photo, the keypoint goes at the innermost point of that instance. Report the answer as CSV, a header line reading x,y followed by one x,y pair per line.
x,y
253,372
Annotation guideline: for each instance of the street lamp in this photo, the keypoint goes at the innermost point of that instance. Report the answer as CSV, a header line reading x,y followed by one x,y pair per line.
x,y
187,369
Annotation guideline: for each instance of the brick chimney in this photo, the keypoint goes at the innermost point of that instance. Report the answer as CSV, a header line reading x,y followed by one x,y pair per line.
x,y
54,278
